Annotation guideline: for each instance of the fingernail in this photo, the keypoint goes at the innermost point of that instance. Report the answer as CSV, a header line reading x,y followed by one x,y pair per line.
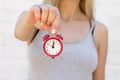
x,y
53,31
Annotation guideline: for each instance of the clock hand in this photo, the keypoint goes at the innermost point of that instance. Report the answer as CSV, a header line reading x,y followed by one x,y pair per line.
x,y
53,44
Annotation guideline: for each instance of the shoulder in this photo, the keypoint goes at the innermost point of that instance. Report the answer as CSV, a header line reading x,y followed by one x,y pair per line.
x,y
101,39
100,33
101,27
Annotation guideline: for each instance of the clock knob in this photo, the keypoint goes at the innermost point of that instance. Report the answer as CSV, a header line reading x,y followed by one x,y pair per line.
x,y
46,37
59,36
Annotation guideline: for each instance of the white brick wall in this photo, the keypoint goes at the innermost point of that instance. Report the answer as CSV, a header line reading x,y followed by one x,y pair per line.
x,y
13,57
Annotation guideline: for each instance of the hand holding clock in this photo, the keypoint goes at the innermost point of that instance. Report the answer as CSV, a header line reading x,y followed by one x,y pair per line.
x,y
45,17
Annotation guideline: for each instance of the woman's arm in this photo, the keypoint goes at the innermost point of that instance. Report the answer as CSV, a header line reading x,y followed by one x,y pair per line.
x,y
36,18
25,29
101,40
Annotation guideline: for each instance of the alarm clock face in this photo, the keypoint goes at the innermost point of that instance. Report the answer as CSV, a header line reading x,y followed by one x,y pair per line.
x,y
53,47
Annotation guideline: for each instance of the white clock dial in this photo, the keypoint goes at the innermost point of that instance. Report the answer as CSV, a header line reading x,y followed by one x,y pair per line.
x,y
53,47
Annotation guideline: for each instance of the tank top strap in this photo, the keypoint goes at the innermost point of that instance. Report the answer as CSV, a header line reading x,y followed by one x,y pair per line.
x,y
92,25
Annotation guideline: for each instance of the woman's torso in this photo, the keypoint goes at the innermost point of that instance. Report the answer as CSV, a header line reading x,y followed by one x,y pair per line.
x,y
77,61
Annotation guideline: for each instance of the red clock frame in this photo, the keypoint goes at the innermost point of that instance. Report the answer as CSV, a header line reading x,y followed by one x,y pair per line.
x,y
53,56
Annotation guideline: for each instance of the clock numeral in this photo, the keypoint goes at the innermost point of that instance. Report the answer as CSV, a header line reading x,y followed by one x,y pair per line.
x,y
47,50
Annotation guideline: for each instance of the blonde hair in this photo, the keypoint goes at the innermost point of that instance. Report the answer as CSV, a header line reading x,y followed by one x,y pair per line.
x,y
86,6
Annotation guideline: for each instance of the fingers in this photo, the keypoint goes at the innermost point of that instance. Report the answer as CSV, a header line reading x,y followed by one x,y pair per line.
x,y
45,13
54,27
37,12
54,19
55,24
47,17
52,15
57,11
42,26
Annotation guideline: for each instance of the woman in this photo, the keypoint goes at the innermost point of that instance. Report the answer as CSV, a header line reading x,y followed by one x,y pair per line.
x,y
85,40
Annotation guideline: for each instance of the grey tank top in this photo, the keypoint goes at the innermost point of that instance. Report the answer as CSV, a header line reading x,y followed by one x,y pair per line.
x,y
78,60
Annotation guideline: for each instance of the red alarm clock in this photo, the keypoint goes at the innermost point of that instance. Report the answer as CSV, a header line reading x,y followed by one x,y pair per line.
x,y
52,46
